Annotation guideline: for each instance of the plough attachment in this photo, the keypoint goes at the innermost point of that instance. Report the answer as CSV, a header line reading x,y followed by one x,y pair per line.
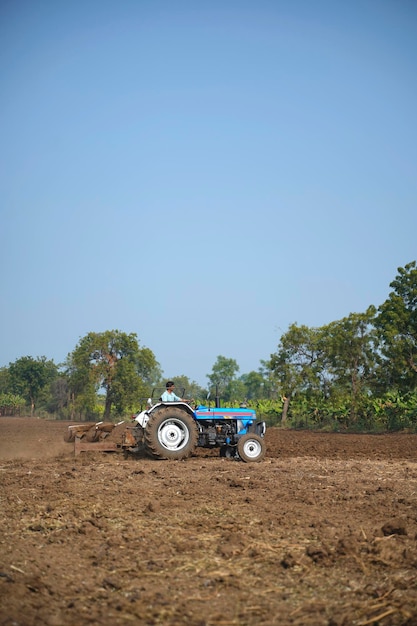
x,y
87,437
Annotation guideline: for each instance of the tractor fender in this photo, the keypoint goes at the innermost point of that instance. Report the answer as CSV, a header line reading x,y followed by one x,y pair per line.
x,y
260,428
180,405
142,418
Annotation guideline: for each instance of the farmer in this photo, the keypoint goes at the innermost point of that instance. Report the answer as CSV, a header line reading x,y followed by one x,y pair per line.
x,y
169,395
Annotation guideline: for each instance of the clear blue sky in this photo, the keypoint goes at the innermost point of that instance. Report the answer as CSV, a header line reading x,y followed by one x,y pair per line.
x,y
202,173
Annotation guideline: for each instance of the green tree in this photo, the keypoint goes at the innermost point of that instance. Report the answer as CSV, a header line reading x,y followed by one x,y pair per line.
x,y
254,383
396,324
148,368
297,365
31,377
235,392
223,376
321,364
4,380
114,362
270,385
82,388
59,397
349,346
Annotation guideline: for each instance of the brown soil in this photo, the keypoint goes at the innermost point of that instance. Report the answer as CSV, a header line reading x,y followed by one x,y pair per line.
x,y
323,532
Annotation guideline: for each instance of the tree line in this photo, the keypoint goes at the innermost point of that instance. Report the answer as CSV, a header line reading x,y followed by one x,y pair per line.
x,y
359,372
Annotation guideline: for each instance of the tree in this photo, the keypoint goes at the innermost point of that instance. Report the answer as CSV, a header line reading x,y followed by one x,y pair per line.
x,y
59,396
298,363
112,361
254,385
270,386
350,349
223,375
4,380
335,360
396,324
30,377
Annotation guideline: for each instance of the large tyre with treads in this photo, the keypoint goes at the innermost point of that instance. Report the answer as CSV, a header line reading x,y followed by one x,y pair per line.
x,y
170,433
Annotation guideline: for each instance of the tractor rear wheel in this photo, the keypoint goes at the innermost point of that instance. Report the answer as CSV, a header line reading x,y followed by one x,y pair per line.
x,y
170,433
251,448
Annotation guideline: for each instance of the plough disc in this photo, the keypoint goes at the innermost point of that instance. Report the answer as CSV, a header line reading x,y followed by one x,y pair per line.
x,y
93,434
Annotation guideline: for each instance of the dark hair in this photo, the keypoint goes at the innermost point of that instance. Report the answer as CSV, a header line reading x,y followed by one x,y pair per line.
x,y
170,384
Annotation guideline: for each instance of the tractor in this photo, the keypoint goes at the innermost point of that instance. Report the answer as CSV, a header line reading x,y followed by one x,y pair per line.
x,y
173,430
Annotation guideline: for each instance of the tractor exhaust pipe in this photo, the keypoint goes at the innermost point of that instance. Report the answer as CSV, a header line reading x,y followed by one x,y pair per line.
x,y
217,397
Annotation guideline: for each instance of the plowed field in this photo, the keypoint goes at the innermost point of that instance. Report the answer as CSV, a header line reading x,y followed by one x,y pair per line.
x,y
323,532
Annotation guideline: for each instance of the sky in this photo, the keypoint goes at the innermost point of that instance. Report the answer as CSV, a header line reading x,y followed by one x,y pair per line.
x,y
202,174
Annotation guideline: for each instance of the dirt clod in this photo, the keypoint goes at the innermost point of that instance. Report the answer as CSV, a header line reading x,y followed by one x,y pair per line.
x,y
395,527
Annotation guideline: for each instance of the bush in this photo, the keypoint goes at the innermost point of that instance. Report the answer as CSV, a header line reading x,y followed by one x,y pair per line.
x,y
11,404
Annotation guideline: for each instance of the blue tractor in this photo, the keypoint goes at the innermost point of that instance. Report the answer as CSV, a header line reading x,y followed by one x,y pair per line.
x,y
173,430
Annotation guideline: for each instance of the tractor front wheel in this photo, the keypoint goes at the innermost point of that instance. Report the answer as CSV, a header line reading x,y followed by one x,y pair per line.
x,y
251,448
170,433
